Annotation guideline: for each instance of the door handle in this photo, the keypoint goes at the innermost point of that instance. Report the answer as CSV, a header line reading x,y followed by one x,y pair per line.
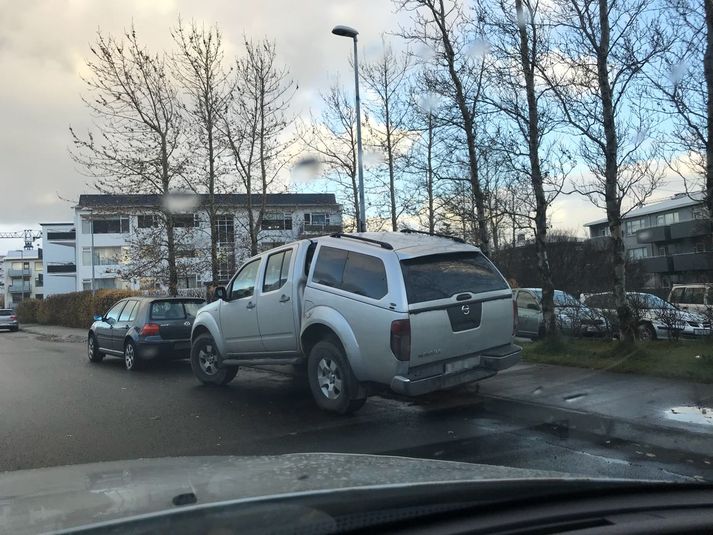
x,y
250,305
284,298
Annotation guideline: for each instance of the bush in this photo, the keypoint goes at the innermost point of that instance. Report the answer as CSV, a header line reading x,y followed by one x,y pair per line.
x,y
27,310
76,309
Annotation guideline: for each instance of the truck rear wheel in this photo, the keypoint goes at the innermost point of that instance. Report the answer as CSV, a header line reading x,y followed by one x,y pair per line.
x,y
331,380
204,362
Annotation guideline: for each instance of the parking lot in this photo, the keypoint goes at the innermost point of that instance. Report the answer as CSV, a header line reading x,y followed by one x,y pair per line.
x,y
57,408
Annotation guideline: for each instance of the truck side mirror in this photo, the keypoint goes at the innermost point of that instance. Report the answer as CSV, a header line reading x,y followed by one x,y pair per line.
x,y
221,293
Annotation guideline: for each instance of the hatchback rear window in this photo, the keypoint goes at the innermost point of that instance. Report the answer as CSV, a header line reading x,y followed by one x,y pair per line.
x,y
428,278
6,312
174,310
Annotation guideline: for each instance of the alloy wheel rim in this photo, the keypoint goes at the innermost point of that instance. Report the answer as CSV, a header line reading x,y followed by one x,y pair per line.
x,y
207,360
129,356
90,348
329,378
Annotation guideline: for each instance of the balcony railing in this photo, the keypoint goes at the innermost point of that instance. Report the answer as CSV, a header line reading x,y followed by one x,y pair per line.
x,y
68,235
19,288
693,261
654,234
690,229
657,264
12,273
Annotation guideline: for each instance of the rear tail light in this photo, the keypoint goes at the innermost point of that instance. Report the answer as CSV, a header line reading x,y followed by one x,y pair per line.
x,y
514,317
13,317
150,329
401,339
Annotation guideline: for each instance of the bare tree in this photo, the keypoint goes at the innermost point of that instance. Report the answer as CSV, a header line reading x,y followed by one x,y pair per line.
x,y
332,139
138,143
519,44
254,128
443,27
676,86
387,77
198,66
602,49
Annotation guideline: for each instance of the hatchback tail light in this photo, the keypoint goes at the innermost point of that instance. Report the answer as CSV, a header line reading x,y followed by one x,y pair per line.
x,y
150,329
13,317
401,339
514,317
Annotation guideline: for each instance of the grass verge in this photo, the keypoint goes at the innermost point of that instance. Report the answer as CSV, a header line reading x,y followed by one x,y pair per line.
x,y
691,360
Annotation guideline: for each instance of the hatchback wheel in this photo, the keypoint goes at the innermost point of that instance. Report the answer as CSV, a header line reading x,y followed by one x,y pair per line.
x,y
647,332
204,362
93,350
131,359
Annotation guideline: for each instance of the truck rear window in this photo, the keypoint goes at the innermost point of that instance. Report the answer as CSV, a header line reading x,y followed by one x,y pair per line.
x,y
174,310
428,278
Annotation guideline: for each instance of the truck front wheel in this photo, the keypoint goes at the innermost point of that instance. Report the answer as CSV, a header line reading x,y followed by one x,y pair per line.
x,y
204,362
331,380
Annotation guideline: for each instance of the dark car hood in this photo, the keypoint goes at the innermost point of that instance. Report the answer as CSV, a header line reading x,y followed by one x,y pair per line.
x,y
49,499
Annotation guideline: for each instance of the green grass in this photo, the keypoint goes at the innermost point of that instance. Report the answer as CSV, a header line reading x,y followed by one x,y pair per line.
x,y
690,360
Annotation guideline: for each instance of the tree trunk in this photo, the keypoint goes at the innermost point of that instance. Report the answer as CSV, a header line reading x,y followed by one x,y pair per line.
x,y
626,331
390,159
708,73
533,138
211,203
170,239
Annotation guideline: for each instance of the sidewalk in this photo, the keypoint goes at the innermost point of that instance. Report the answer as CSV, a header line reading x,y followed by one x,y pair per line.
x,y
669,413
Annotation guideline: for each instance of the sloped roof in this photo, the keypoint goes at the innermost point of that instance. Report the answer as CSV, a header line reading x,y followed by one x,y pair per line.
x,y
679,200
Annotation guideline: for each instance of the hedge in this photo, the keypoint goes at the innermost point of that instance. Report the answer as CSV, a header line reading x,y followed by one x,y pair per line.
x,y
76,309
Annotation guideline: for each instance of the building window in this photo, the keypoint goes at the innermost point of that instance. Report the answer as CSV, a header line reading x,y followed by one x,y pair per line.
x,y
267,245
317,219
699,212
276,221
634,225
638,253
147,221
700,247
186,221
663,250
104,256
185,253
99,284
225,228
667,219
114,225
188,281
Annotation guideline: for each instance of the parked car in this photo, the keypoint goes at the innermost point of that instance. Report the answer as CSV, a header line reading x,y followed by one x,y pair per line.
x,y
414,312
571,316
655,317
696,298
8,319
141,329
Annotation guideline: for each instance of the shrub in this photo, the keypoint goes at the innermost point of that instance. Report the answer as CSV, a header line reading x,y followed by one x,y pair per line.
x,y
76,309
27,310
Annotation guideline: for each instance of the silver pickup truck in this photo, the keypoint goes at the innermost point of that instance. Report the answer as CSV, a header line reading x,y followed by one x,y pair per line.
x,y
415,312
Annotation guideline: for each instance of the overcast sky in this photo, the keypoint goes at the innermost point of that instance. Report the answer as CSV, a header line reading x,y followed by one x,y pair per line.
x,y
43,46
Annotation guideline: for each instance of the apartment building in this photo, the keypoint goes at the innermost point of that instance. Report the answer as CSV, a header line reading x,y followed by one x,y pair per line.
x,y
23,276
92,250
672,239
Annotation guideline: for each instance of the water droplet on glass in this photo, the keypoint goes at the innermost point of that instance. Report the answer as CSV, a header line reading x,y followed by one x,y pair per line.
x,y
478,49
677,72
181,203
306,169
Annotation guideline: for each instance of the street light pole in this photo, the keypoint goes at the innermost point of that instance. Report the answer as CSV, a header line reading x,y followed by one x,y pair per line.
x,y
346,31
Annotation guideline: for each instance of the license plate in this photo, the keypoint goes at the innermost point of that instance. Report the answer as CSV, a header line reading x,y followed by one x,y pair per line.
x,y
701,332
460,365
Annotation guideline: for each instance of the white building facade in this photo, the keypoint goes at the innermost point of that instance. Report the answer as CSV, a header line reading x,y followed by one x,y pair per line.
x,y
23,276
93,250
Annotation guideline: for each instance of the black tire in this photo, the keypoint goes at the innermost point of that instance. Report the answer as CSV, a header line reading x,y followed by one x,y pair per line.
x,y
647,332
93,350
333,385
204,354
132,362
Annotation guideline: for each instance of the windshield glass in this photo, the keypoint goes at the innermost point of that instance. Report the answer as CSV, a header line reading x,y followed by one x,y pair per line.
x,y
236,236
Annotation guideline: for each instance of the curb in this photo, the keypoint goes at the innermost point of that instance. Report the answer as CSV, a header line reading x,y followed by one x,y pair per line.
x,y
666,437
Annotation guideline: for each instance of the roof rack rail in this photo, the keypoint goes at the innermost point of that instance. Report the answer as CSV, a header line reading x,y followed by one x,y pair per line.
x,y
381,244
434,234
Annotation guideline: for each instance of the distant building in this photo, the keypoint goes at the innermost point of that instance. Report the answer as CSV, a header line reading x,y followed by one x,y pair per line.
x,y
23,276
92,249
672,240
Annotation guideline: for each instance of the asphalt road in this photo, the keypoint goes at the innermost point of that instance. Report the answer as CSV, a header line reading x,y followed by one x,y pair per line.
x,y
57,408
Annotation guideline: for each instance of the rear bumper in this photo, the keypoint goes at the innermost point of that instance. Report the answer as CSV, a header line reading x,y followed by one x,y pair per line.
x,y
164,349
9,325
491,362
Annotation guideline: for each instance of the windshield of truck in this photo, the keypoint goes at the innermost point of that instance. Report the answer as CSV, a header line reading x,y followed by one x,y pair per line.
x,y
440,276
